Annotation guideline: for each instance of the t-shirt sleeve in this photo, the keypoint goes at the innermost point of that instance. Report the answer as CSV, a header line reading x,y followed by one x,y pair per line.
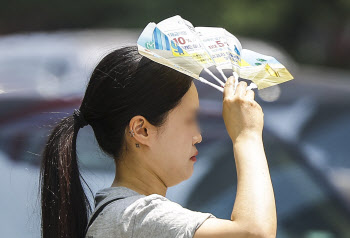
x,y
158,217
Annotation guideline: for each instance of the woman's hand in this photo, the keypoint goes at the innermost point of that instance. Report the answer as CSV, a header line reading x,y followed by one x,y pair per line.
x,y
243,116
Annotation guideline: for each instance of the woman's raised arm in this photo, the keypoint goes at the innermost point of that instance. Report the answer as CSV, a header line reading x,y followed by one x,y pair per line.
x,y
254,210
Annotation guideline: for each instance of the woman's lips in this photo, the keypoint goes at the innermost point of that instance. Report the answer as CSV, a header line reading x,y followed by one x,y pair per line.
x,y
194,156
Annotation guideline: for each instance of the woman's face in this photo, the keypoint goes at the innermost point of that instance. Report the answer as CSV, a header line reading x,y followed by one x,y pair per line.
x,y
175,144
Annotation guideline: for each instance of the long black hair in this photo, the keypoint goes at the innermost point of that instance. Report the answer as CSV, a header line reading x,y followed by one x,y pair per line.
x,y
124,84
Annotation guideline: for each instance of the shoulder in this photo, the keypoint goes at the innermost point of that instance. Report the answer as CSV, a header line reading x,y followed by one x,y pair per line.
x,y
156,204
155,215
153,201
110,221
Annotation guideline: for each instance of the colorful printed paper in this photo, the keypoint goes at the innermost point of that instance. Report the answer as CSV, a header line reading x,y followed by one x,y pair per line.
x,y
174,42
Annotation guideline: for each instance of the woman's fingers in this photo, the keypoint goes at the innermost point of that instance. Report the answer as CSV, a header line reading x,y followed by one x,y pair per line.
x,y
241,89
250,94
229,88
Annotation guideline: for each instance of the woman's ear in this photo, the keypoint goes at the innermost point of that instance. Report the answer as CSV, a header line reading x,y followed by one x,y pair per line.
x,y
139,130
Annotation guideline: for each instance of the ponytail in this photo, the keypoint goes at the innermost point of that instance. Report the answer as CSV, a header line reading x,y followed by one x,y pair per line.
x,y
65,208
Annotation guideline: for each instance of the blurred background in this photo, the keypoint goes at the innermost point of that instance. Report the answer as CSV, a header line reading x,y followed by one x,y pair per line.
x,y
48,50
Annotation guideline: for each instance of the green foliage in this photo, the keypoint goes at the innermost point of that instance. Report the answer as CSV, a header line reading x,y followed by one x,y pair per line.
x,y
308,30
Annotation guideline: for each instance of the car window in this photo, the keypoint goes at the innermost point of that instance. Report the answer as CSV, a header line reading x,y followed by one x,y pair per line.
x,y
331,137
26,145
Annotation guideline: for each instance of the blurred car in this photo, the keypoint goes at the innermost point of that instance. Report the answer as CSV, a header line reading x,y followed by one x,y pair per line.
x,y
310,202
307,204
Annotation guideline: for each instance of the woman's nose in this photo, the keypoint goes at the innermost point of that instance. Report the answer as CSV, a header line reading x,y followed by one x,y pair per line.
x,y
197,139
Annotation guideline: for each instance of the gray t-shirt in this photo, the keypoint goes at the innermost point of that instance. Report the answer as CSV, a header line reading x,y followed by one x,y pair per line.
x,y
141,216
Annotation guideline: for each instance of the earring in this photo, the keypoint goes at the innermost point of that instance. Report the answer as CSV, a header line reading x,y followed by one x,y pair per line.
x,y
132,133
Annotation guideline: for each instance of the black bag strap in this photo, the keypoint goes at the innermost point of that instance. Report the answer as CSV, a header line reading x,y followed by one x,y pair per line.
x,y
98,210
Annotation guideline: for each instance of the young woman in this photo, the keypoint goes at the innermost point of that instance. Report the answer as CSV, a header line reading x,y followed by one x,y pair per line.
x,y
143,115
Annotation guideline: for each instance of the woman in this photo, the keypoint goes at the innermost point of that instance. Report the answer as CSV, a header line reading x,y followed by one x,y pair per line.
x,y
143,115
